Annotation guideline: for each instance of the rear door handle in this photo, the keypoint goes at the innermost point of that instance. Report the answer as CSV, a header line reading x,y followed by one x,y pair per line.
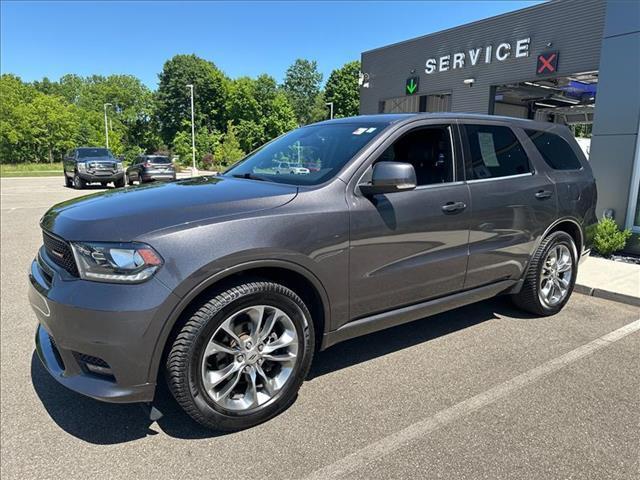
x,y
451,207
544,194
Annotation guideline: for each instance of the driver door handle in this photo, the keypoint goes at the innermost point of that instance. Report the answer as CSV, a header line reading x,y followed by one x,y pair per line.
x,y
451,207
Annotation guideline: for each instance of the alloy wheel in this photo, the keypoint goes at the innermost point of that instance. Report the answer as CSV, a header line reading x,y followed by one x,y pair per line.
x,y
249,358
556,275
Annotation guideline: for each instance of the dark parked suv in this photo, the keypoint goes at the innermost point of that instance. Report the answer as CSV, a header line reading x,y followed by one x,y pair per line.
x,y
226,285
147,168
92,165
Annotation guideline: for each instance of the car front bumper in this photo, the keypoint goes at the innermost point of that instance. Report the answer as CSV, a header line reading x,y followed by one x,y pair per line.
x,y
95,178
98,339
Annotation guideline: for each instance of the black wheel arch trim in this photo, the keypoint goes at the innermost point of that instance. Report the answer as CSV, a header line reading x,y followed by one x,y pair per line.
x,y
219,276
546,233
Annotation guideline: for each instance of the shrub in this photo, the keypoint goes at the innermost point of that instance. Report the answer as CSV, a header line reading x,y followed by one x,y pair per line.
x,y
609,238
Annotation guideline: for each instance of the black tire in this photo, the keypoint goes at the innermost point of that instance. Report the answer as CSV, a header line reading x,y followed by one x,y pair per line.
x,y
78,183
67,181
103,184
529,296
119,183
185,356
129,181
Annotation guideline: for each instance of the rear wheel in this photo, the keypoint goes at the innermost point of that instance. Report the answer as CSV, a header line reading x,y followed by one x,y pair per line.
x,y
551,276
241,357
78,183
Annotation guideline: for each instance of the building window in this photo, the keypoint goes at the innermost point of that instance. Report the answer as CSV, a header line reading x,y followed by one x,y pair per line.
x,y
495,152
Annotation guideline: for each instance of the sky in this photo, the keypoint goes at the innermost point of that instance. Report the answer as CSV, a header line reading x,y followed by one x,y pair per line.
x,y
50,38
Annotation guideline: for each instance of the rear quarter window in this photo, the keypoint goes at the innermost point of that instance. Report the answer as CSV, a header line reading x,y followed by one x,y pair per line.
x,y
555,150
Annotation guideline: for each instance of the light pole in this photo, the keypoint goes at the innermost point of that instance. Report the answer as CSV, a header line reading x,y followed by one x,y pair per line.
x,y
330,104
106,126
193,135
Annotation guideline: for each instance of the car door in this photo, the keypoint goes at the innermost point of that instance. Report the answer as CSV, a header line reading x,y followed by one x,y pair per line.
x,y
512,202
410,246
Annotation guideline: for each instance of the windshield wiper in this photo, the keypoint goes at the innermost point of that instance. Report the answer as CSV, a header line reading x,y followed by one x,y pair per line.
x,y
249,176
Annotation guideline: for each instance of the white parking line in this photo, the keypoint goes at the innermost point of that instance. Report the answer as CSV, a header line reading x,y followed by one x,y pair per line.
x,y
375,451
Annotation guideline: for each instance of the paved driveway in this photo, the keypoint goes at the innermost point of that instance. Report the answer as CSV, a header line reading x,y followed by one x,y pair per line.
x,y
481,392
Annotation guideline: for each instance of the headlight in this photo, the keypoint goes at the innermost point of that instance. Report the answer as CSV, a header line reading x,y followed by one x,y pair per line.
x,y
119,166
116,262
82,167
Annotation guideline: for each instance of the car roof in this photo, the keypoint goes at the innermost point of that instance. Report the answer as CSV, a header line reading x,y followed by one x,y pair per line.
x,y
394,118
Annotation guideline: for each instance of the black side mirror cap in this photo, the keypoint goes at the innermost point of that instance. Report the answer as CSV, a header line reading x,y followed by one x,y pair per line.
x,y
390,177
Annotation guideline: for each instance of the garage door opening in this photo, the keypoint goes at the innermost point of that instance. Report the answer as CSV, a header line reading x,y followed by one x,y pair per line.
x,y
569,100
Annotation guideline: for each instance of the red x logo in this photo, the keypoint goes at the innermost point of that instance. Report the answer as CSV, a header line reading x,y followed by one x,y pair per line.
x,y
547,62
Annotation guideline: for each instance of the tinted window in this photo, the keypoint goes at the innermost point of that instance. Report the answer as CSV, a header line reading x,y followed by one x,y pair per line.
x,y
322,149
158,159
93,152
555,150
495,152
428,150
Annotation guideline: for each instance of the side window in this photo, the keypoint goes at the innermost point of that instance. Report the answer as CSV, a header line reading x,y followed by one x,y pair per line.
x,y
555,150
429,150
495,152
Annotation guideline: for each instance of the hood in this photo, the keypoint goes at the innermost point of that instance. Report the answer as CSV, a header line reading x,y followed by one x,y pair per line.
x,y
122,215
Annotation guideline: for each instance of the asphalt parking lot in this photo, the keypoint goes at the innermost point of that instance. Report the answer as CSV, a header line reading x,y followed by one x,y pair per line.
x,y
484,391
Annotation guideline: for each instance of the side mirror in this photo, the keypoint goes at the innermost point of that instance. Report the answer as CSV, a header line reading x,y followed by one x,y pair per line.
x,y
389,177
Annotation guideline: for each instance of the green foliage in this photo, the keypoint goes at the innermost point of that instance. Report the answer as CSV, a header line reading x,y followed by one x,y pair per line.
x,y
609,238
342,89
260,111
42,120
302,86
228,151
173,98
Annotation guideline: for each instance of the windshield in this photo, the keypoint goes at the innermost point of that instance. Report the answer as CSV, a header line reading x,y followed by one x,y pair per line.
x,y
309,155
94,152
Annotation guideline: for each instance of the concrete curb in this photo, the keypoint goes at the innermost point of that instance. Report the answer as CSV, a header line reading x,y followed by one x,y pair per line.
x,y
607,295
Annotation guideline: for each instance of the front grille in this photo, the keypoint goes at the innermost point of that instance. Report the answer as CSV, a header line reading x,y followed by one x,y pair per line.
x,y
60,252
102,167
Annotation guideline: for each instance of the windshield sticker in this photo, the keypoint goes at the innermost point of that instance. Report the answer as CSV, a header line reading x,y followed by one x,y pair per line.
x,y
371,130
359,131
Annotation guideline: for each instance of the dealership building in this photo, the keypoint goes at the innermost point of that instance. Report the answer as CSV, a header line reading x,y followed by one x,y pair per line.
x,y
575,62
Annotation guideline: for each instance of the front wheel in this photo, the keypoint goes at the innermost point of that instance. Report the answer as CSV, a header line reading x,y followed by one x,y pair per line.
x,y
78,183
119,183
67,181
550,277
129,181
241,358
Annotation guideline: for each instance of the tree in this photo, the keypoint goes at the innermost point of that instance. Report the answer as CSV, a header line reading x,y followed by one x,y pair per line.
x,y
228,151
342,89
14,96
173,103
50,125
259,111
302,86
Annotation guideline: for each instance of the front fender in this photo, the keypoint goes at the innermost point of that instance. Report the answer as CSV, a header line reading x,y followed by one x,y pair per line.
x,y
217,273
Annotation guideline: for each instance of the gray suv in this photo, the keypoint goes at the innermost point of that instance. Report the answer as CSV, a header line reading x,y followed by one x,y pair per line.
x,y
225,286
